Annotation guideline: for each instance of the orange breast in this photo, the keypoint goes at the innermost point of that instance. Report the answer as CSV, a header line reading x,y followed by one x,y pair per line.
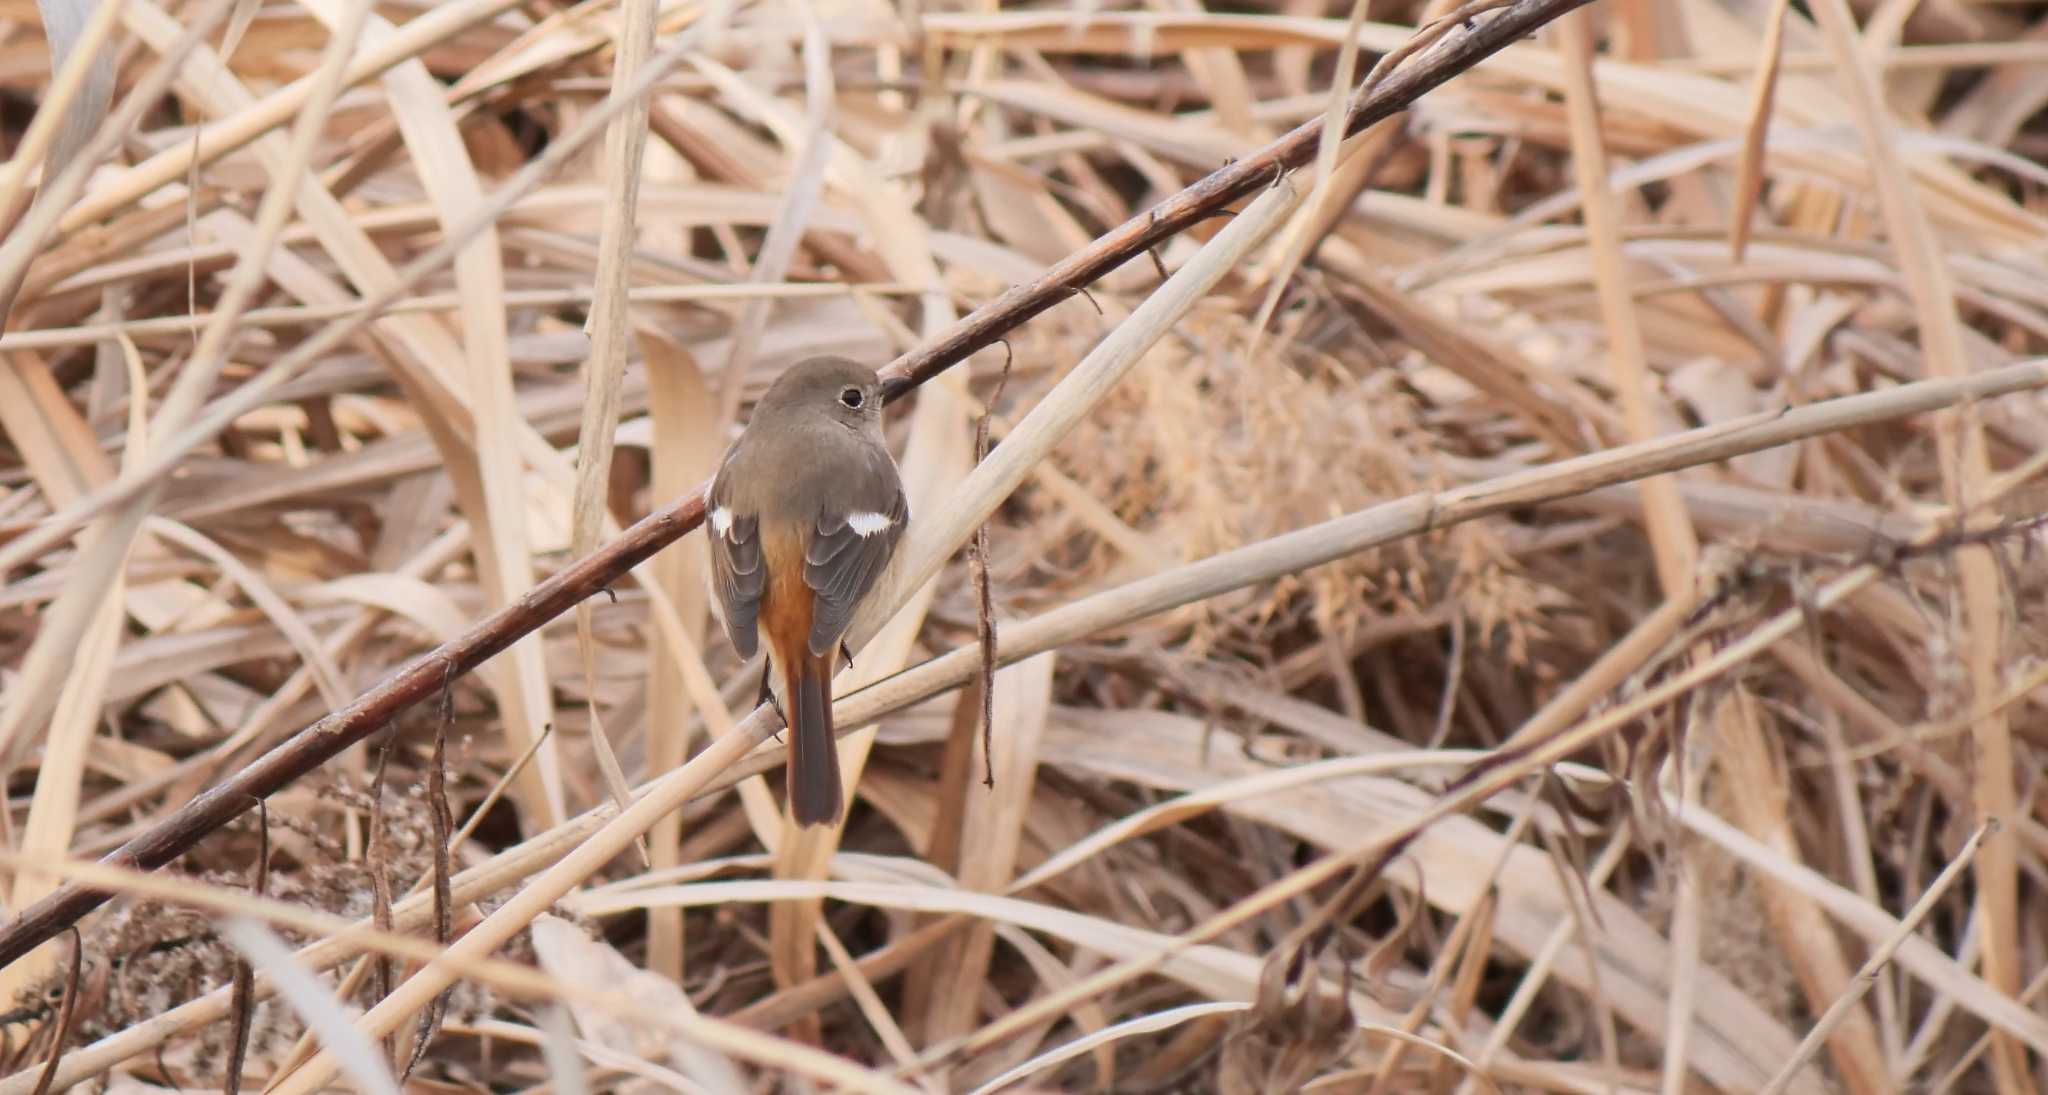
x,y
786,600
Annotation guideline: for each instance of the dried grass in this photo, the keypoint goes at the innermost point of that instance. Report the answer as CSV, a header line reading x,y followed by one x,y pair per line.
x,y
1547,598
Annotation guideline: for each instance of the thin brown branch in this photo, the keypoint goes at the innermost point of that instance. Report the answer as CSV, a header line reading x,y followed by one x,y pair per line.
x,y
444,899
984,600
66,1011
243,1005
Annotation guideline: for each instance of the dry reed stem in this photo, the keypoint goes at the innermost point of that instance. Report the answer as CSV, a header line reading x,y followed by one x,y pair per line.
x,y
1670,530
992,832
1763,809
79,93
1749,170
625,143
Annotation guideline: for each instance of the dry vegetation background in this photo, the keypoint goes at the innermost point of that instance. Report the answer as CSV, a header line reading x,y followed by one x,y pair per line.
x,y
1757,713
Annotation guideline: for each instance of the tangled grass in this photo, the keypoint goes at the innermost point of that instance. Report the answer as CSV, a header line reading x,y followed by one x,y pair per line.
x,y
1680,767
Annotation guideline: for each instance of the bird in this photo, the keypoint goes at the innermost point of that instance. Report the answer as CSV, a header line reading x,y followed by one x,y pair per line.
x,y
803,516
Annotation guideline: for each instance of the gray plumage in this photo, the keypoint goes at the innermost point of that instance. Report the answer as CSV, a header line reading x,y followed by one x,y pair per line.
x,y
808,496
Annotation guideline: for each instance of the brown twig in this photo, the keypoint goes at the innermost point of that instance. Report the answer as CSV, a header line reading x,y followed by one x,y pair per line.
x,y
379,861
984,600
66,1012
444,898
242,1007
375,709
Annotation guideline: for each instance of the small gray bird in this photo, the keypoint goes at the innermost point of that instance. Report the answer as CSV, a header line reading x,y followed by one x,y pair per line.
x,y
803,515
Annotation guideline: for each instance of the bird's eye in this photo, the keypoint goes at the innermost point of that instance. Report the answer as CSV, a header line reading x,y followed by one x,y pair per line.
x,y
852,397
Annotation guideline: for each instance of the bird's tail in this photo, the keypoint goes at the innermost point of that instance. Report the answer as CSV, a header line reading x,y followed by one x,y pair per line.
x,y
814,793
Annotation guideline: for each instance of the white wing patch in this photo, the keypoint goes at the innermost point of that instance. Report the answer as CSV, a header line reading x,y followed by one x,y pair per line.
x,y
865,525
721,521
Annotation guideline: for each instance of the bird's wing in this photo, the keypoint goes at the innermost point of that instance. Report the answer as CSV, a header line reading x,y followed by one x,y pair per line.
x,y
737,575
849,547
